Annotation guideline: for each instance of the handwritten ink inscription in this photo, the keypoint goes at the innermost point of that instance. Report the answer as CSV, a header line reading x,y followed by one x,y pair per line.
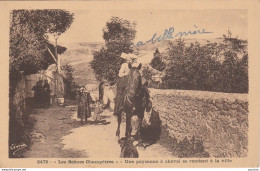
x,y
169,34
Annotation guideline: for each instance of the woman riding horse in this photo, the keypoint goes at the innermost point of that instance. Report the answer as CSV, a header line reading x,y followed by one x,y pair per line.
x,y
130,96
122,82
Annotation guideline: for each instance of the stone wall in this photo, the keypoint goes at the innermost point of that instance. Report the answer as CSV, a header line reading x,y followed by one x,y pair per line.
x,y
220,120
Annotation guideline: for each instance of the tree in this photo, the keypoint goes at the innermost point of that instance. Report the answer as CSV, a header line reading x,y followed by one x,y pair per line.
x,y
118,35
29,31
208,67
70,85
58,25
235,70
28,36
157,62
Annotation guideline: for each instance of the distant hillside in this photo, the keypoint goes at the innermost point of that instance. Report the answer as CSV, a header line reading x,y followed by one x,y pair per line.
x,y
81,51
79,55
84,74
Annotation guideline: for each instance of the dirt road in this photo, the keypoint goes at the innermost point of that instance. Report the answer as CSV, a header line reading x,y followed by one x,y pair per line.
x,y
52,124
58,133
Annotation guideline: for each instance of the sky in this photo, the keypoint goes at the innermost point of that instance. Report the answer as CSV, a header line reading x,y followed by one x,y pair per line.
x,y
88,24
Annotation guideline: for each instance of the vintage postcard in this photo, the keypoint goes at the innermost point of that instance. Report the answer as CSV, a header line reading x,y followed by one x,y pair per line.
x,y
140,84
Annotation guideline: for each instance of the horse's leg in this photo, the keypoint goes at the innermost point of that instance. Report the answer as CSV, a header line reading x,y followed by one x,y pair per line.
x,y
81,117
128,130
119,118
140,117
139,123
81,120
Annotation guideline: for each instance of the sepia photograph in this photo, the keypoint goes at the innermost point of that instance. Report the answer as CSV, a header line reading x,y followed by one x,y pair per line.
x,y
96,85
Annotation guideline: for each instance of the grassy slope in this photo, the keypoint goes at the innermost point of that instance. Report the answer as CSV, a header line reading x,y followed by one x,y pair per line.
x,y
79,56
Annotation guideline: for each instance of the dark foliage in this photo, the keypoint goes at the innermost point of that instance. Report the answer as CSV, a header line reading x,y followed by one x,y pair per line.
x,y
71,87
118,36
106,64
157,62
184,148
21,124
168,141
29,40
209,67
192,148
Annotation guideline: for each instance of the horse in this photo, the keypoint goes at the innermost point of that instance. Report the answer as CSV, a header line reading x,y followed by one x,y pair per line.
x,y
134,102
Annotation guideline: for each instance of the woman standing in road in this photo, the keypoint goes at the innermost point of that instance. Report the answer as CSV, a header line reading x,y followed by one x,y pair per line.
x,y
84,110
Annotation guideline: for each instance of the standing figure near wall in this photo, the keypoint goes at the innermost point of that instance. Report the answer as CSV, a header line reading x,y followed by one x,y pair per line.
x,y
36,96
101,92
84,111
81,104
41,99
46,93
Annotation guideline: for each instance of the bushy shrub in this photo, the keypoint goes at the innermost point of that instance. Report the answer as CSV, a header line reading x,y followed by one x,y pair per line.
x,y
21,124
208,67
192,148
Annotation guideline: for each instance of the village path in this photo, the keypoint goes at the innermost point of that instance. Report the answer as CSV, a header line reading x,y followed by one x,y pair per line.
x,y
58,133
51,125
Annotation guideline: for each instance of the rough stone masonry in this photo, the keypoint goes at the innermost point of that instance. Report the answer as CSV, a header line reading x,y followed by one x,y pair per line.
x,y
219,119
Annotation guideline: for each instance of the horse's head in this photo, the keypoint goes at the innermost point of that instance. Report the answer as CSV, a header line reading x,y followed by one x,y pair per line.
x,y
134,81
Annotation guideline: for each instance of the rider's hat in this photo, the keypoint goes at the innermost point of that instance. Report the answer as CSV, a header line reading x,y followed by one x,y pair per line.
x,y
125,56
